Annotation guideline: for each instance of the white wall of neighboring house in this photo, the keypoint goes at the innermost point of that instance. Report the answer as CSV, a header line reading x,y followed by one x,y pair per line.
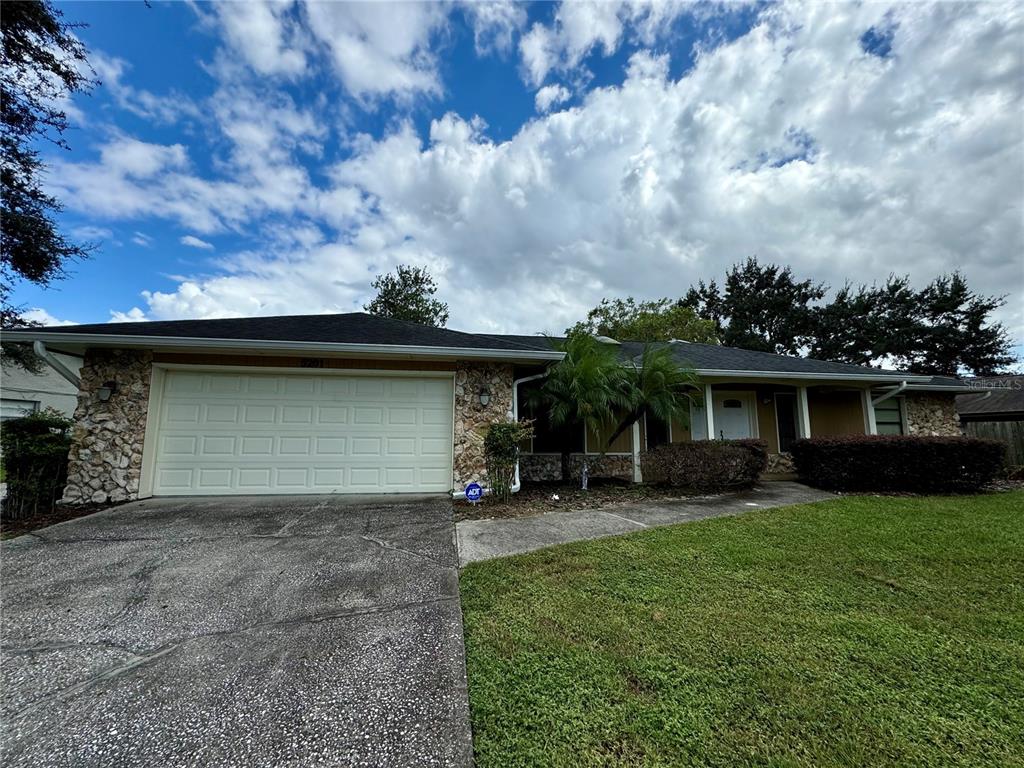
x,y
22,392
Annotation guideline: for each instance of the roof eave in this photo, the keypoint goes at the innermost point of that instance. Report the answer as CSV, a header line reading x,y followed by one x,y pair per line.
x,y
890,378
952,389
126,341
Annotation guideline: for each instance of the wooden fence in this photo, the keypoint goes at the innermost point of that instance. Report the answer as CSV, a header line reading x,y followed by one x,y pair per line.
x,y
1009,432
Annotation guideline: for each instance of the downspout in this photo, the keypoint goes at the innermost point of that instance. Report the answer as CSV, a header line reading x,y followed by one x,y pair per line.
x,y
515,416
42,352
891,393
516,484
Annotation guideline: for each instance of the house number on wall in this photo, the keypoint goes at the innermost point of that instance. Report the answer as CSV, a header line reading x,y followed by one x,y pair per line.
x,y
311,362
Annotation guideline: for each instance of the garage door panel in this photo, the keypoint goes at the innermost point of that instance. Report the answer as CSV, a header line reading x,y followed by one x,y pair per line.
x,y
297,414
332,414
259,414
277,433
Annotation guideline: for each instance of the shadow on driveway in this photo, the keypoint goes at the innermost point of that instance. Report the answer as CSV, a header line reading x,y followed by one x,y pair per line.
x,y
245,631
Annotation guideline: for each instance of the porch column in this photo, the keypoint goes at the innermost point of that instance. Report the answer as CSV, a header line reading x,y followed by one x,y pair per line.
x,y
870,426
637,474
709,412
803,412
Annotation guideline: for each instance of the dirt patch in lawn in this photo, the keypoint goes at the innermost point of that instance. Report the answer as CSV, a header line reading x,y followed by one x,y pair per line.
x,y
537,498
59,514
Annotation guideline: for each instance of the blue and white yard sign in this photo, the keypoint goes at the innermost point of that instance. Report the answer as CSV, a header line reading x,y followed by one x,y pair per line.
x,y
474,492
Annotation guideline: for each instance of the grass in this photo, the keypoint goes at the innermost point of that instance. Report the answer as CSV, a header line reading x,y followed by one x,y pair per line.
x,y
860,631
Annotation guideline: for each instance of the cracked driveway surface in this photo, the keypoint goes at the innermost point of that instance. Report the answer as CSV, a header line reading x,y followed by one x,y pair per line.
x,y
312,630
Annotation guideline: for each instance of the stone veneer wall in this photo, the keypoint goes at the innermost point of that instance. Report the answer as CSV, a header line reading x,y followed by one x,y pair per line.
x,y
548,466
105,461
931,414
780,464
472,418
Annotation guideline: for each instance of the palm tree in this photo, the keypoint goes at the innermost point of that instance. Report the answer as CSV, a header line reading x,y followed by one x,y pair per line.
x,y
585,388
657,386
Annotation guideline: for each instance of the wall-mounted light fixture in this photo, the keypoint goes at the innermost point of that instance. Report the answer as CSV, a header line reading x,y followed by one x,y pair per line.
x,y
485,397
104,393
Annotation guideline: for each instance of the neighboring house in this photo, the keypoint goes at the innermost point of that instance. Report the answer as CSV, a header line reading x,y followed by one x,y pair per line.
x,y
354,403
23,392
996,412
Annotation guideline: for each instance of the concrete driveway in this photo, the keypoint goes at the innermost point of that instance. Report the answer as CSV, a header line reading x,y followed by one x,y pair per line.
x,y
243,631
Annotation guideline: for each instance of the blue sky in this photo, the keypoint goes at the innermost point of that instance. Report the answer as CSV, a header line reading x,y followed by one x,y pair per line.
x,y
251,158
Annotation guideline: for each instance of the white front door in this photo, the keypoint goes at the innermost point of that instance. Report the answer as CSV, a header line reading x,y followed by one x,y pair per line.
x,y
733,416
242,433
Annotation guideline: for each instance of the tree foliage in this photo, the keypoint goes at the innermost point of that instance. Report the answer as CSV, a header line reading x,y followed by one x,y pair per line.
x,y
35,453
943,328
42,64
408,294
658,386
501,452
763,307
661,320
586,387
591,387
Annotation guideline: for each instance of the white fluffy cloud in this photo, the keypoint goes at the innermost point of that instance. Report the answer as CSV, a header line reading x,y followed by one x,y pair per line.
x,y
375,49
112,70
549,96
39,315
791,142
380,48
267,34
495,23
579,28
194,242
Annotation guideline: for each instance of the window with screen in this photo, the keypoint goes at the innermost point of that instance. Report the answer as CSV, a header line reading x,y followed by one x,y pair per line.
x,y
548,439
889,417
657,432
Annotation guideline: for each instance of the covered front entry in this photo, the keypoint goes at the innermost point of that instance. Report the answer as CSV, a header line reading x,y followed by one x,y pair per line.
x,y
735,416
242,432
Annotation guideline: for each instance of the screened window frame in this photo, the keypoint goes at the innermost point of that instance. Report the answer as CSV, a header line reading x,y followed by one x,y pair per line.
x,y
901,416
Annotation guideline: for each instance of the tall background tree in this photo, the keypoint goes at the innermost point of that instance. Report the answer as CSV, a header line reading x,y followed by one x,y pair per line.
x,y
660,320
408,294
763,307
42,64
944,328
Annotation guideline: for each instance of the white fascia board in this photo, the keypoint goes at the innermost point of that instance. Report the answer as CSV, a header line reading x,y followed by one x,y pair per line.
x,y
866,377
963,390
323,347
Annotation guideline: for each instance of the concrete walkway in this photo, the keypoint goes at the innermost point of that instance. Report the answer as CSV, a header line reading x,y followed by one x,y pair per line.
x,y
486,539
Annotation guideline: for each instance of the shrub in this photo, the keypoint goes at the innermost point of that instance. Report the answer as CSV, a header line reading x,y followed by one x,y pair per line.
x,y
898,463
501,452
706,465
35,456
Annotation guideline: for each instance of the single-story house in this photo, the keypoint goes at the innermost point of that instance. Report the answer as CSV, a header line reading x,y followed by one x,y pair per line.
x,y
353,403
23,392
995,410
994,398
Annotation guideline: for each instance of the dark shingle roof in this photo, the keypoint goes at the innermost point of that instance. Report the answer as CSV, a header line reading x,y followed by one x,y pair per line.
x,y
350,328
713,357
1007,397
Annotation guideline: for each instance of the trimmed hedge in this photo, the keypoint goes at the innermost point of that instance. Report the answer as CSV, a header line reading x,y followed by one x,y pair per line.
x,y
35,456
898,463
706,465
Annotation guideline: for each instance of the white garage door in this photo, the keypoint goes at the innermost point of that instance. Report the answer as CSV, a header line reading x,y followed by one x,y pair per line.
x,y
239,433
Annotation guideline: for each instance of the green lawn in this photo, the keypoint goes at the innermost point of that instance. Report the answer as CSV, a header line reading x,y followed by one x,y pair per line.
x,y
861,631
